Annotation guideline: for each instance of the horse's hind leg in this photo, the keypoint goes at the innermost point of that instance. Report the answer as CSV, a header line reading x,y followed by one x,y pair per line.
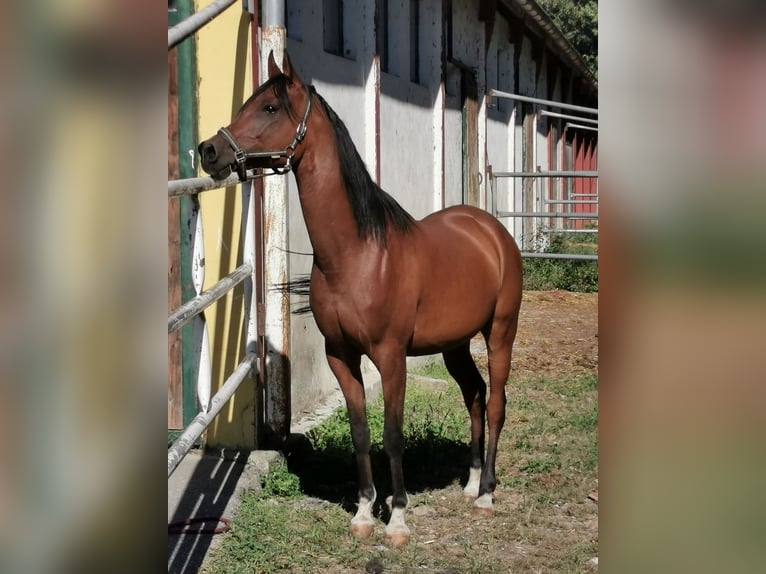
x,y
346,367
499,339
462,367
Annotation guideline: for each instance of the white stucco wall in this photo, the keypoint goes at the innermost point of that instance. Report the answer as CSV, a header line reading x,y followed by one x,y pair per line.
x,y
342,83
406,144
500,132
453,151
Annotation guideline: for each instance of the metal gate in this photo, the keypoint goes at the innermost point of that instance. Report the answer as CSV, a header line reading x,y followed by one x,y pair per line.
x,y
573,208
193,308
246,273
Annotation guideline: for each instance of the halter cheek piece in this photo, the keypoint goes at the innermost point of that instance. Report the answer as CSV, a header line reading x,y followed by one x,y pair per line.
x,y
241,156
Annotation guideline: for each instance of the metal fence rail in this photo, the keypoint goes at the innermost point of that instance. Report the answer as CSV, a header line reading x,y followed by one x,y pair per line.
x,y
546,215
584,123
570,201
542,215
557,173
567,117
570,125
196,21
194,185
542,102
194,430
575,256
195,306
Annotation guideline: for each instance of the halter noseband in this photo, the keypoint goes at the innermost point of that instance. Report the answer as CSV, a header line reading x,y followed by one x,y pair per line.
x,y
241,156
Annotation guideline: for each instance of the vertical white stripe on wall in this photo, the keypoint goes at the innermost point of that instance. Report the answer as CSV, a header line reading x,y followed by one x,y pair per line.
x,y
431,19
372,78
438,148
482,119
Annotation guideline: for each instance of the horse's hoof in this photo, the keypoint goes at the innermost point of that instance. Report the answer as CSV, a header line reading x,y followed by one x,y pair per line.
x,y
482,511
483,506
470,495
397,533
397,539
361,530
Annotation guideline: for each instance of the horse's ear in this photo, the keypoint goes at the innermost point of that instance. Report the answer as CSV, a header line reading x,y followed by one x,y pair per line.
x,y
273,69
287,69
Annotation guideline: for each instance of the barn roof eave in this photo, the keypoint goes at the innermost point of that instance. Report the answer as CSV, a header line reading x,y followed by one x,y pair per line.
x,y
541,23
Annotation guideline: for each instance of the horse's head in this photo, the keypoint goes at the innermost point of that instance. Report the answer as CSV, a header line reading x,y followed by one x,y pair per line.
x,y
267,129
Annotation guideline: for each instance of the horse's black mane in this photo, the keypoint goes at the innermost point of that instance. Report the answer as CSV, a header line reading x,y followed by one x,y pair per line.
x,y
373,209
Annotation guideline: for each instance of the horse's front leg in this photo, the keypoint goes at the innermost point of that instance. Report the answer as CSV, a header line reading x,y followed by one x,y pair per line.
x,y
345,364
393,371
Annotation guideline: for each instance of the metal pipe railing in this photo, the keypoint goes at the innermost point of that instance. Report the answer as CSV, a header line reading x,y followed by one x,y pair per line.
x,y
567,117
594,230
562,173
195,306
551,103
570,201
576,256
551,215
193,185
580,127
194,22
194,430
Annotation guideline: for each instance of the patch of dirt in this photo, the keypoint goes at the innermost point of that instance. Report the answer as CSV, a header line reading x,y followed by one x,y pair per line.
x,y
558,334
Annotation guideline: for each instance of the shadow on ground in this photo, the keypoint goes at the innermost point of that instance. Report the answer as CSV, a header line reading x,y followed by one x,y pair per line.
x,y
329,473
205,493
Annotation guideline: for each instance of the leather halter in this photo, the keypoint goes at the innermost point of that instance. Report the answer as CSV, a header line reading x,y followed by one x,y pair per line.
x,y
241,156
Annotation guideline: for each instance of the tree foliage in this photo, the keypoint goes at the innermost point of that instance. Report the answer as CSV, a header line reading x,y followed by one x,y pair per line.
x,y
578,21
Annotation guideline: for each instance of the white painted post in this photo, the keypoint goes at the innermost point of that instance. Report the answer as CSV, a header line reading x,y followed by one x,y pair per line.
x,y
201,339
251,296
275,269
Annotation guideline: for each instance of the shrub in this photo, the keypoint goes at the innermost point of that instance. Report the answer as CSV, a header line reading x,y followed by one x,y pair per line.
x,y
542,274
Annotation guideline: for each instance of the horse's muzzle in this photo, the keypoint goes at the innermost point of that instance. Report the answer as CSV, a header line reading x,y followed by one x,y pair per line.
x,y
216,158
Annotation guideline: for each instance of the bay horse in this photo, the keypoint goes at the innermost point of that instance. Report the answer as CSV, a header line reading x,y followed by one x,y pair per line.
x,y
382,283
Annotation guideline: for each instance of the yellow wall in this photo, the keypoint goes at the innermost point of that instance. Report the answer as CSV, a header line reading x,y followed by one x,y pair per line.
x,y
224,82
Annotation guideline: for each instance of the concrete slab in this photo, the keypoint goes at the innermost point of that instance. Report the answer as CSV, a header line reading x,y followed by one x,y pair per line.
x,y
209,485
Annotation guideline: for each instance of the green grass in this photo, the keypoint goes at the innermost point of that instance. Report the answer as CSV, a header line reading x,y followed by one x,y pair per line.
x,y
547,462
272,535
280,482
570,275
434,369
538,465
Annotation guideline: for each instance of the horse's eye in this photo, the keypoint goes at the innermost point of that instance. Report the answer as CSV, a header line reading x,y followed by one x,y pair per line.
x,y
268,108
